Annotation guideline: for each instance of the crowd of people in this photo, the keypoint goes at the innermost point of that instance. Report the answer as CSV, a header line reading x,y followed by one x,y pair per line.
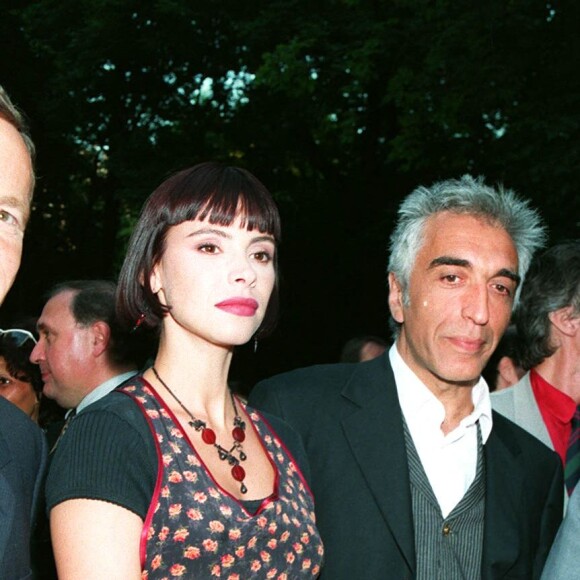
x,y
124,453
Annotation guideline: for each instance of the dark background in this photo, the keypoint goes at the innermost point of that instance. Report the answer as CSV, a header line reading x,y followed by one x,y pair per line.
x,y
340,107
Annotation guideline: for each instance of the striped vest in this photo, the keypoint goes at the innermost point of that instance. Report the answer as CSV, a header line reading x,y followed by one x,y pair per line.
x,y
448,548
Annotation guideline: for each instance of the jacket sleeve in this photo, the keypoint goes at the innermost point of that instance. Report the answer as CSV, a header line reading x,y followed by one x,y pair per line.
x,y
551,518
564,560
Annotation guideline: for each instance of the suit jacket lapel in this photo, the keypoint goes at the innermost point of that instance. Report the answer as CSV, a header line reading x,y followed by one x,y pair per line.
x,y
375,434
503,480
527,413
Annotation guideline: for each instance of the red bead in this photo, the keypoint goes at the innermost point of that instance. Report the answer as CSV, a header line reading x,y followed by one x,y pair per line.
x,y
238,434
238,472
208,436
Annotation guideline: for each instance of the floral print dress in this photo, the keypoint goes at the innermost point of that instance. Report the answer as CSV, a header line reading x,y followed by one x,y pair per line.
x,y
196,529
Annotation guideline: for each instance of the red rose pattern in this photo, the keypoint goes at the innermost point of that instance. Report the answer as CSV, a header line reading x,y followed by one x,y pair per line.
x,y
197,530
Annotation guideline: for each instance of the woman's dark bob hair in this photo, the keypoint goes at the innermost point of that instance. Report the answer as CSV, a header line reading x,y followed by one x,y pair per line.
x,y
209,191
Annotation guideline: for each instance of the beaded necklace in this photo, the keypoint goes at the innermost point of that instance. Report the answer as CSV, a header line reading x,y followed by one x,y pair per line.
x,y
208,436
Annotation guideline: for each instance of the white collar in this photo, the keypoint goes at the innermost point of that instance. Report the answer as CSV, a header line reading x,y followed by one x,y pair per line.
x,y
102,390
419,404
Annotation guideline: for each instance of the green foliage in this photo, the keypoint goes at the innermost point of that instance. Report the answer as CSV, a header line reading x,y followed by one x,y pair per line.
x,y
339,106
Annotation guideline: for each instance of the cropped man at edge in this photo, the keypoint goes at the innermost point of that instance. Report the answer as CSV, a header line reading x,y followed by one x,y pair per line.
x,y
414,476
546,401
22,444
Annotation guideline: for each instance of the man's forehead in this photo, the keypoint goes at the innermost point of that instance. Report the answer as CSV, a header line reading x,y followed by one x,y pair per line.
x,y
15,168
460,236
57,306
450,225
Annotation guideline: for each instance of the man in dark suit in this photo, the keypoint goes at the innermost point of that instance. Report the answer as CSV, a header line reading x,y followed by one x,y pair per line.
x,y
22,444
413,474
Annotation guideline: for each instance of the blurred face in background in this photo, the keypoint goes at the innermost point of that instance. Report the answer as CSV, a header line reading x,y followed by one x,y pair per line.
x,y
64,352
18,391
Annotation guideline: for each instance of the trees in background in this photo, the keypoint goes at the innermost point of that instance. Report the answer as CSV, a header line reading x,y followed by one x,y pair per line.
x,y
340,106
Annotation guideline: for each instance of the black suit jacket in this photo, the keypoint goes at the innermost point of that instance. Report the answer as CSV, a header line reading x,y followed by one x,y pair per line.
x,y
22,465
351,423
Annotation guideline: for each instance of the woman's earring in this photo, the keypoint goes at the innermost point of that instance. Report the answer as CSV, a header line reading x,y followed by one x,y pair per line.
x,y
139,321
255,344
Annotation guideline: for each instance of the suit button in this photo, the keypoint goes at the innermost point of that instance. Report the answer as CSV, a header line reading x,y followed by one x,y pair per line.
x,y
446,529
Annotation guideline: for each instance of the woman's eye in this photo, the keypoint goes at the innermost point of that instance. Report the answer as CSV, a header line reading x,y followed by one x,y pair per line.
x,y
5,381
263,256
7,217
208,248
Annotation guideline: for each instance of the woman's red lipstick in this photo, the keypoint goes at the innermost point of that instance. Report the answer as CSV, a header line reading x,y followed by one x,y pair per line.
x,y
239,306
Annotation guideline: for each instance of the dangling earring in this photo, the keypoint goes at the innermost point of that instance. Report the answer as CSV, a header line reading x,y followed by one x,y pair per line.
x,y
139,321
255,344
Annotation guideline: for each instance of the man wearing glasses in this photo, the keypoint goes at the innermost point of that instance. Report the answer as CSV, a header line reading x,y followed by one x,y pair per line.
x,y
22,444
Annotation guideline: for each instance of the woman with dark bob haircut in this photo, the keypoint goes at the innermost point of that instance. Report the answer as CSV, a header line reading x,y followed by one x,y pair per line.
x,y
172,475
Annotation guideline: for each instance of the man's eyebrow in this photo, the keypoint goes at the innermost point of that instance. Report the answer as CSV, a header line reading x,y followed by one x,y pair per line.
x,y
12,201
450,261
509,274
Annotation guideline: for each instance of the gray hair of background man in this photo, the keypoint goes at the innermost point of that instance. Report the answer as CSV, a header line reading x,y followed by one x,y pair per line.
x,y
94,301
501,207
552,283
10,113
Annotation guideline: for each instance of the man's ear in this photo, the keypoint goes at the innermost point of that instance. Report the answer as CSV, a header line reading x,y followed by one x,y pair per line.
x,y
396,298
566,320
101,333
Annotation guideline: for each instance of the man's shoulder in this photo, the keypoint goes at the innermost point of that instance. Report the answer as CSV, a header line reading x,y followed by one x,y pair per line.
x,y
309,380
324,375
322,387
14,422
115,404
22,438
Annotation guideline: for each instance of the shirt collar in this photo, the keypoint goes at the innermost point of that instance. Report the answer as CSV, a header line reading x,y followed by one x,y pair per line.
x,y
558,404
418,403
102,390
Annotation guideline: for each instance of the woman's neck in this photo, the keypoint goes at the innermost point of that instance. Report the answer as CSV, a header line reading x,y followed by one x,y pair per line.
x,y
196,373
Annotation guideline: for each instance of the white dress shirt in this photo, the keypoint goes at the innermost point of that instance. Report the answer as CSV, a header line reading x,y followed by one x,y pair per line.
x,y
450,461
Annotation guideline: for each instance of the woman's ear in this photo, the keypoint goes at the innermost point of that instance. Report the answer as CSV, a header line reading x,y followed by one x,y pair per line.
x,y
154,279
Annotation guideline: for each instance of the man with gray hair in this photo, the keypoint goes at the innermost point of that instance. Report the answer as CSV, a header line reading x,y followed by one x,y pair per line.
x,y
22,444
413,475
546,401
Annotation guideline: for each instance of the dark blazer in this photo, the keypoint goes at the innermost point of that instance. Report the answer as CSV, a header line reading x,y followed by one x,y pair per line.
x,y
350,420
22,464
